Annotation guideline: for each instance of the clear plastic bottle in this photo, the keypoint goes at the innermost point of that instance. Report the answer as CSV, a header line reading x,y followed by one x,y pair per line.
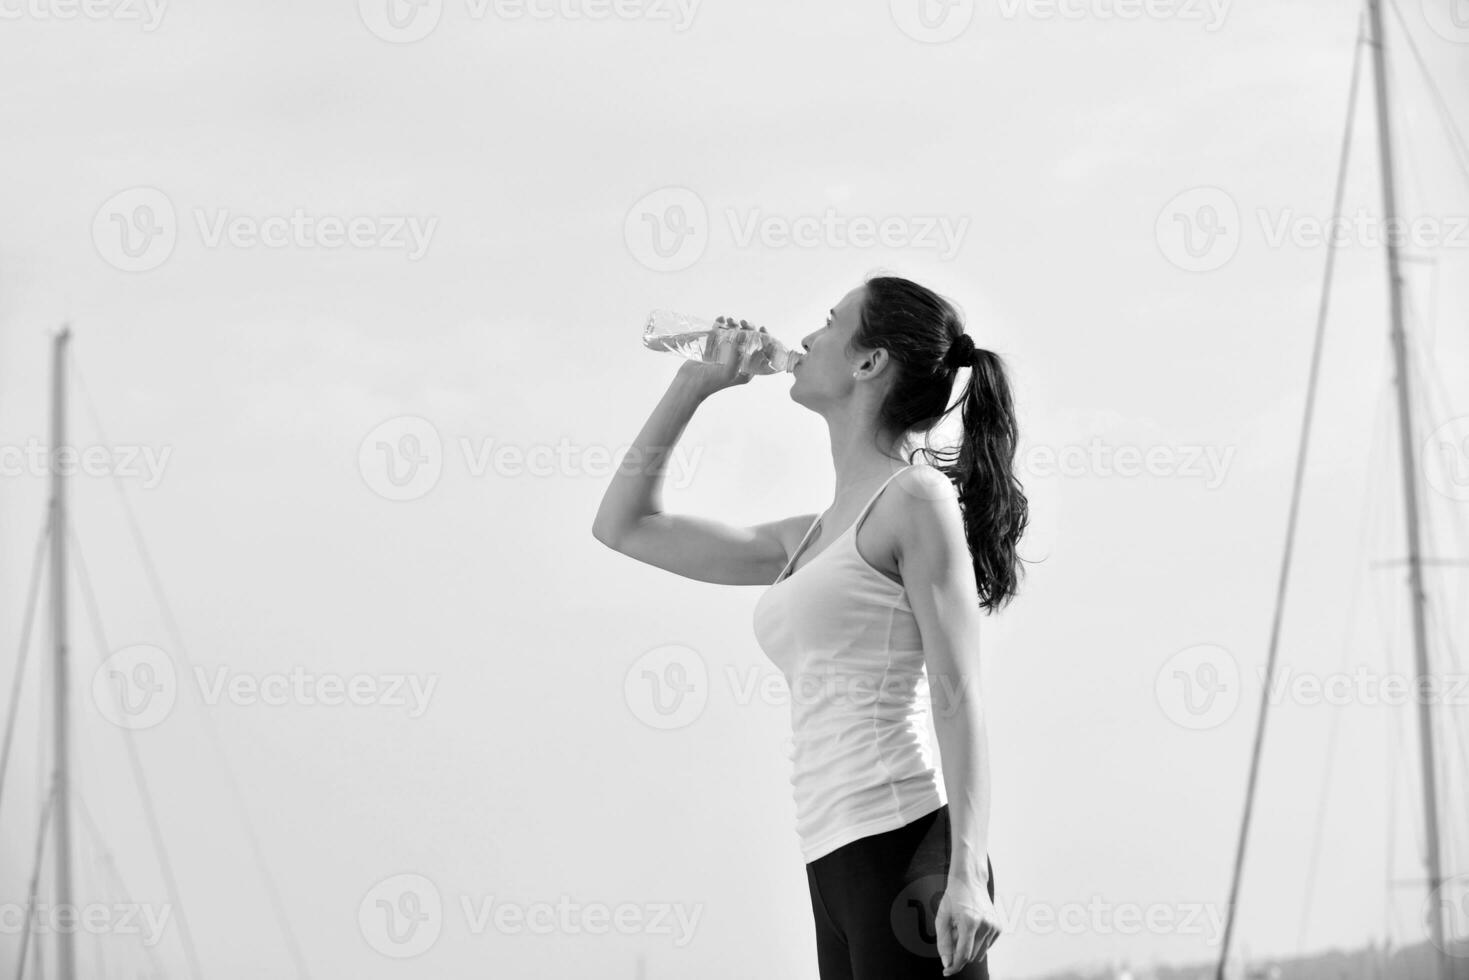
x,y
697,339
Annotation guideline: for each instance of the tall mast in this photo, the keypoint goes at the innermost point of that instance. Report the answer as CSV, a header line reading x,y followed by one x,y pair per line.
x,y
1410,488
66,939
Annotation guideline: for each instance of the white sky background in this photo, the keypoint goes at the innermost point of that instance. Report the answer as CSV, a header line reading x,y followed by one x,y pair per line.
x,y
1056,142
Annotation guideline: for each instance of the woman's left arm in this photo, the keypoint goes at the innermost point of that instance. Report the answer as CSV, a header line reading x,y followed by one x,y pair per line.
x,y
938,574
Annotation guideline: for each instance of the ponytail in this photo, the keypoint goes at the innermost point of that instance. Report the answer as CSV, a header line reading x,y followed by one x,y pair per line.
x,y
925,335
990,495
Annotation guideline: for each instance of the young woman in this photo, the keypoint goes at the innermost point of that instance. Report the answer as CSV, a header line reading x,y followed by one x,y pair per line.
x,y
860,604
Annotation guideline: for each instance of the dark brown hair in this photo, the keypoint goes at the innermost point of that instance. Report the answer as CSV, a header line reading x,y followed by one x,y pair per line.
x,y
919,329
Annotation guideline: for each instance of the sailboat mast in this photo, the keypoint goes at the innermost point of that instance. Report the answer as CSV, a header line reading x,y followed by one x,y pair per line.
x,y
66,939
1410,487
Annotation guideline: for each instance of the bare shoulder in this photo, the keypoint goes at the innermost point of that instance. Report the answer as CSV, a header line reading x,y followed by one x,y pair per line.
x,y
792,529
928,516
927,483
911,511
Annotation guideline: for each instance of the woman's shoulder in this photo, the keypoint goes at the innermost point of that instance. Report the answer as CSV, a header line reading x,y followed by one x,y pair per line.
x,y
926,482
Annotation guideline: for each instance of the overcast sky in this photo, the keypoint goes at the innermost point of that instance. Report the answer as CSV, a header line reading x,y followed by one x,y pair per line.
x,y
357,290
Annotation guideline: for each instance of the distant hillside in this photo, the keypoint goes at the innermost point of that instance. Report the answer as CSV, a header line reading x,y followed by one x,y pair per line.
x,y
1372,962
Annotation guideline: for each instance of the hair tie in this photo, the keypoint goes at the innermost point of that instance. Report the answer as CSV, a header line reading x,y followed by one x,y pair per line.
x,y
962,352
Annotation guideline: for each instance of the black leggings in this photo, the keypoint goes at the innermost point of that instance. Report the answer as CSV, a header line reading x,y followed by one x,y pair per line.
x,y
875,901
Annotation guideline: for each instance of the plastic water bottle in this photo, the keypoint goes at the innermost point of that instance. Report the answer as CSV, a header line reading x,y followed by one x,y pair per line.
x,y
697,339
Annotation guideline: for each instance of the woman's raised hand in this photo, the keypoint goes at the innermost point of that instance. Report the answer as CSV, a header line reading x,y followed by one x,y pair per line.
x,y
740,354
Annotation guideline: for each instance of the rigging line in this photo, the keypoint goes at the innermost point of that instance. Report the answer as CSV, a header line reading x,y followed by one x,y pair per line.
x,y
1420,842
1431,387
1451,128
1389,895
45,730
87,855
283,921
32,600
96,849
1410,188
109,866
1295,500
94,887
1453,726
155,831
1437,612
1427,389
25,933
1336,714
1455,514
1381,447
1450,729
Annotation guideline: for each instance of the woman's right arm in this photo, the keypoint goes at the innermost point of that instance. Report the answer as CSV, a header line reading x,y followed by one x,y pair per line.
x,y
631,520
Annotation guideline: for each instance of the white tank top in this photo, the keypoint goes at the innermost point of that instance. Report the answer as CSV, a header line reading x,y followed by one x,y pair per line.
x,y
848,644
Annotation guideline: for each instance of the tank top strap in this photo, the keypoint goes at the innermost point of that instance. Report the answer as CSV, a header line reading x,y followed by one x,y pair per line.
x,y
857,524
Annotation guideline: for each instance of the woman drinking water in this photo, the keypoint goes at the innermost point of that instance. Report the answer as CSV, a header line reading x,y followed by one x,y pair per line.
x,y
864,607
